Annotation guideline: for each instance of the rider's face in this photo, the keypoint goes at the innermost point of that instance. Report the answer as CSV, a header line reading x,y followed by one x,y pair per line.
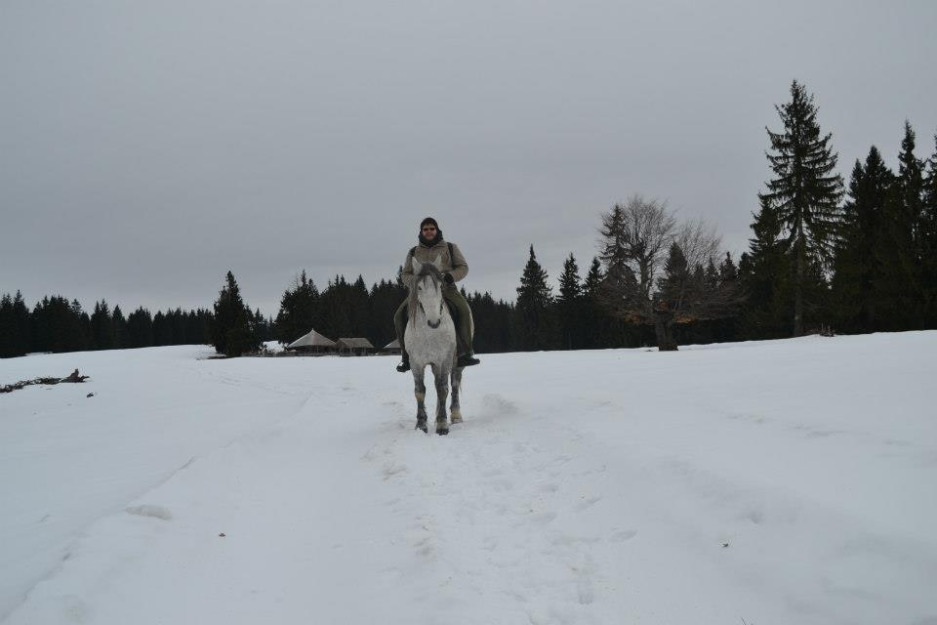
x,y
429,232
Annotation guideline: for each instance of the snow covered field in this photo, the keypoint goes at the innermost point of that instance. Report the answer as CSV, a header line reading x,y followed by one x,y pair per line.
x,y
771,483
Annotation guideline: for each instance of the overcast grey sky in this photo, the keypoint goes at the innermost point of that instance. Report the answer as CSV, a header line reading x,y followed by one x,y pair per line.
x,y
148,147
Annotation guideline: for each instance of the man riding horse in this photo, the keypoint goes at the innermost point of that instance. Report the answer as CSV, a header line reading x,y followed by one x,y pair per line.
x,y
454,268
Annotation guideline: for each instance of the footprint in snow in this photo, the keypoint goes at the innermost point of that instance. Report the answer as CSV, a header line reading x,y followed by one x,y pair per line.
x,y
147,510
623,535
587,502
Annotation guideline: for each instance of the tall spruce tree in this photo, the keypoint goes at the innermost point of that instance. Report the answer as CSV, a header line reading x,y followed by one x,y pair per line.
x,y
859,277
493,323
765,278
600,329
121,331
535,328
619,285
7,328
102,329
727,328
569,305
233,334
383,302
929,241
805,192
299,311
15,324
22,325
359,307
140,328
903,258
593,281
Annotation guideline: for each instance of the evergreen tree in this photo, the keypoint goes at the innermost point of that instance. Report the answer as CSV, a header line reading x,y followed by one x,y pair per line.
x,y
264,326
359,308
728,272
299,311
726,329
39,326
102,330
335,303
233,332
121,330
7,328
80,329
383,302
570,287
593,281
619,288
162,330
600,329
140,328
805,192
493,323
200,324
677,282
859,276
902,258
535,329
22,325
929,241
765,278
569,305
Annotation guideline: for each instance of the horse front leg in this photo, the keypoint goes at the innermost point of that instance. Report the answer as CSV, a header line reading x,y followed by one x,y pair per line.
x,y
420,392
442,393
454,411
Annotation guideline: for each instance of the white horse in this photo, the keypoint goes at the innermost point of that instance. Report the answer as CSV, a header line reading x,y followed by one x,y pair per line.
x,y
430,339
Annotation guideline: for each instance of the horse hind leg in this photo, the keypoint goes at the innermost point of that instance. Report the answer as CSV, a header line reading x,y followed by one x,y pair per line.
x,y
420,393
455,413
442,393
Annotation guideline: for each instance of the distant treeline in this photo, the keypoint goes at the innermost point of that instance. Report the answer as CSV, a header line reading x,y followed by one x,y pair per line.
x,y
823,257
56,324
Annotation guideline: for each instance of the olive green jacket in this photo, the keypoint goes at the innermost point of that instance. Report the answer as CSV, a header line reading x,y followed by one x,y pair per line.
x,y
454,264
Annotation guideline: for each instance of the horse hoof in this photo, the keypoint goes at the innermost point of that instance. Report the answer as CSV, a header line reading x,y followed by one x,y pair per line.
x,y
442,431
456,418
422,426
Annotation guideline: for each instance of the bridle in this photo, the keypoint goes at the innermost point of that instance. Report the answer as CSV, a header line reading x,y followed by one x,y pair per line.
x,y
442,302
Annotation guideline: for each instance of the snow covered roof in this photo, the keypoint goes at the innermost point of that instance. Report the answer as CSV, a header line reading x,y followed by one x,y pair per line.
x,y
313,339
395,344
354,343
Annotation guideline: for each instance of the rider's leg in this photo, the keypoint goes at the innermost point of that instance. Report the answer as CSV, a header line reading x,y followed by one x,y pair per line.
x,y
400,325
465,326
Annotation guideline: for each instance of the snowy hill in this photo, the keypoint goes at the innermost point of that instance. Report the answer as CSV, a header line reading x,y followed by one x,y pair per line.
x,y
777,482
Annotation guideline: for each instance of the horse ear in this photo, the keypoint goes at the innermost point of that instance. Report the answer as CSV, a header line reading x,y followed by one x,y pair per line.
x,y
438,262
417,265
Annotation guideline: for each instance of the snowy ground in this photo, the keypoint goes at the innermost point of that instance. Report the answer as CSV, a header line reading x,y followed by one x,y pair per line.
x,y
776,483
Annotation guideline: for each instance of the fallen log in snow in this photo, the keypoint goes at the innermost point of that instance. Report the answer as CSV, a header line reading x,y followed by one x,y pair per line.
x,y
73,377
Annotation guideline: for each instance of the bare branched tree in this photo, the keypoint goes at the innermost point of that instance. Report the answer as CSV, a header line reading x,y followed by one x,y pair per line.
x,y
659,274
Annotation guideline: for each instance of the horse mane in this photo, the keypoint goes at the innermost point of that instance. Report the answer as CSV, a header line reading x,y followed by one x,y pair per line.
x,y
427,269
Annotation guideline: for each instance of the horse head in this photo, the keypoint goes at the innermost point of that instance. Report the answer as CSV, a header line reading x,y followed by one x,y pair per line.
x,y
426,291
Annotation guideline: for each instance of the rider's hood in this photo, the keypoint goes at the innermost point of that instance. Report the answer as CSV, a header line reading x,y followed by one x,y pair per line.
x,y
430,242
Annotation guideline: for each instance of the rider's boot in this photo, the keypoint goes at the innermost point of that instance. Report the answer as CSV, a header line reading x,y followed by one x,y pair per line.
x,y
404,365
467,360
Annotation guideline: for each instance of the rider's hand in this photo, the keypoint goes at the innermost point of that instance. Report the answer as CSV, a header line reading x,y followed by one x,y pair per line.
x,y
448,278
